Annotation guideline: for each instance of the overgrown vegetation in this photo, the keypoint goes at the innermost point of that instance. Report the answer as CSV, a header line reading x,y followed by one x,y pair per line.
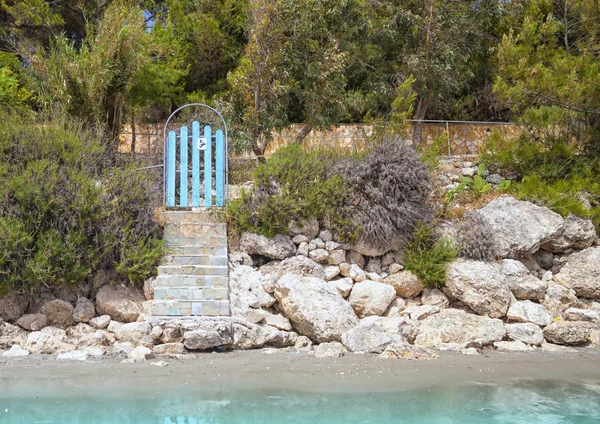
x,y
474,239
65,212
378,196
428,256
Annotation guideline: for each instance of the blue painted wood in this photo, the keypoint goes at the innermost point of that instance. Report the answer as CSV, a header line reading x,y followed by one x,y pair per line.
x,y
219,168
208,167
171,152
183,167
195,165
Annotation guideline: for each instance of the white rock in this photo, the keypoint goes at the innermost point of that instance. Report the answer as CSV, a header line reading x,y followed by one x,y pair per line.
x,y
519,227
353,257
405,283
373,276
419,313
394,268
100,322
326,236
114,326
121,303
133,332
520,282
278,321
169,349
396,307
371,298
331,272
457,326
316,309
560,293
300,238
514,346
74,355
247,292
357,274
15,351
278,247
477,285
318,255
582,273
336,256
369,338
577,233
435,297
525,332
330,350
569,332
343,286
160,364
252,336
49,341
332,245
94,351
319,244
554,348
140,354
299,265
303,249
122,348
575,314
527,311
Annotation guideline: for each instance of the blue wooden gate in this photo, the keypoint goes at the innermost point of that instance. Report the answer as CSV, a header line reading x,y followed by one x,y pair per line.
x,y
195,163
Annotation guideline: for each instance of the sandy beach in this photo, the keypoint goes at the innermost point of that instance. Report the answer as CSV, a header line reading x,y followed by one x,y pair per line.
x,y
295,371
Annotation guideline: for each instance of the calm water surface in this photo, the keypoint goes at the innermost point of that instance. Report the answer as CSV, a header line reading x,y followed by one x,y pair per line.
x,y
523,402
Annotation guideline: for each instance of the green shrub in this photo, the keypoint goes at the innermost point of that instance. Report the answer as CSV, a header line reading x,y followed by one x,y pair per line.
x,y
292,185
428,256
66,212
377,196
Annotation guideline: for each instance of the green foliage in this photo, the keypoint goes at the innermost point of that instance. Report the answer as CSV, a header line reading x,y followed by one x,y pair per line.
x,y
477,184
292,185
428,256
65,214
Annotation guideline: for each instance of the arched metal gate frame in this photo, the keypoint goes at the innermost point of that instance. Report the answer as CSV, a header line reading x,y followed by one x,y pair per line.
x,y
165,148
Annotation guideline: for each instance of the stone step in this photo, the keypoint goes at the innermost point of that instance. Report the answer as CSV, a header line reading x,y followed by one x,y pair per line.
x,y
202,241
192,281
196,250
208,308
193,217
195,260
191,293
192,270
195,230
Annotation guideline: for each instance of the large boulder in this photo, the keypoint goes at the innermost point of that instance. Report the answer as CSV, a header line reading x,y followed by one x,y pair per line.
x,y
330,350
582,273
519,227
204,339
32,322
134,332
278,247
369,338
527,311
247,291
298,265
122,303
577,233
457,326
370,298
12,306
525,332
568,332
520,281
479,286
48,341
84,310
405,283
11,334
315,308
248,335
59,313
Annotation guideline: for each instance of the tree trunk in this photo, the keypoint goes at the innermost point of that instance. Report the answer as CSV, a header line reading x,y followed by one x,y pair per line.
x,y
133,135
303,134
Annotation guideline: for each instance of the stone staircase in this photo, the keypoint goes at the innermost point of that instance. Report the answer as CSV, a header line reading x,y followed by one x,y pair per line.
x,y
193,279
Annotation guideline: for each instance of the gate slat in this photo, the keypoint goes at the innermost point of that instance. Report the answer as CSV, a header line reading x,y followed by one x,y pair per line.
x,y
195,164
219,161
183,168
208,167
171,169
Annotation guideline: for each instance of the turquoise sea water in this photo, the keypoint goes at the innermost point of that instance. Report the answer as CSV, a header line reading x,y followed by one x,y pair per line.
x,y
523,402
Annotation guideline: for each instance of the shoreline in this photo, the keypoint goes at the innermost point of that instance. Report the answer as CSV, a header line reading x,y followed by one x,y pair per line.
x,y
218,373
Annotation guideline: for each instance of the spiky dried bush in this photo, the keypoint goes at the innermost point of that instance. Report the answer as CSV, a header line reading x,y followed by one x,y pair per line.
x,y
389,189
475,240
